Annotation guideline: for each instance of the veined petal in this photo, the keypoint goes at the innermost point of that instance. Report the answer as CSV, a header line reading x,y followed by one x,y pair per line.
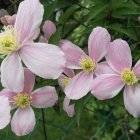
x,y
4,112
98,43
12,73
106,86
23,121
79,85
28,20
45,60
69,109
44,97
49,29
136,69
10,95
119,55
103,68
29,80
70,73
132,99
73,54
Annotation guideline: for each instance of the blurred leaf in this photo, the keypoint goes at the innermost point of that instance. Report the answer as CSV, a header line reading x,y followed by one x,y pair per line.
x,y
68,13
118,28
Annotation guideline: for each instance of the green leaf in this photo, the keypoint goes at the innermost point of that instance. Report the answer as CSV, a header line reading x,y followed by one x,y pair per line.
x,y
68,13
97,9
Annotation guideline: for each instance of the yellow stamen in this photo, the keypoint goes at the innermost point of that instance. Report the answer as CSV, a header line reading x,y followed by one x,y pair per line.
x,y
8,41
22,100
128,77
65,80
87,64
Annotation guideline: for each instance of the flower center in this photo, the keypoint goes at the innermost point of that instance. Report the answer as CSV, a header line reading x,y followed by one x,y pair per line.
x,y
22,100
65,80
8,41
87,64
128,77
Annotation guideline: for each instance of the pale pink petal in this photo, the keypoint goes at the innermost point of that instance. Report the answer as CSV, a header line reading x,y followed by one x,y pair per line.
x,y
8,20
73,54
45,60
49,29
69,109
28,20
61,81
44,97
29,80
70,73
4,112
103,68
98,43
10,95
79,85
136,69
119,55
12,73
23,121
132,99
106,86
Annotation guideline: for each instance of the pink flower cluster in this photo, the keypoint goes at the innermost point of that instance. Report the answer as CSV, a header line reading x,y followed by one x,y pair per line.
x,y
103,72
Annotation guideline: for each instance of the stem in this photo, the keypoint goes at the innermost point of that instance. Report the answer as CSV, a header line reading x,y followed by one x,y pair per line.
x,y
43,122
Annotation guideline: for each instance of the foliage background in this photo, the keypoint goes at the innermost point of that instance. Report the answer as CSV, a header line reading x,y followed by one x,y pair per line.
x,y
94,120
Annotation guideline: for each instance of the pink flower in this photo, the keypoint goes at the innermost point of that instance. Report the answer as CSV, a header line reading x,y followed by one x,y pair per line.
x,y
45,60
108,85
49,29
98,43
4,112
63,81
23,120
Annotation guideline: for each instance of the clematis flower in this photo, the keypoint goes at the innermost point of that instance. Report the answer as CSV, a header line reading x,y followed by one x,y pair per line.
x,y
110,83
23,120
63,81
49,29
16,42
4,112
98,43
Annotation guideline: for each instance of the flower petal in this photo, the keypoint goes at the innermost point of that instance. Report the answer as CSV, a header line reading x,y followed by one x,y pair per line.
x,y
44,97
4,112
8,20
103,68
73,54
29,80
79,85
106,86
23,121
12,73
69,109
45,60
119,55
70,73
28,20
98,43
49,29
132,99
9,94
136,69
